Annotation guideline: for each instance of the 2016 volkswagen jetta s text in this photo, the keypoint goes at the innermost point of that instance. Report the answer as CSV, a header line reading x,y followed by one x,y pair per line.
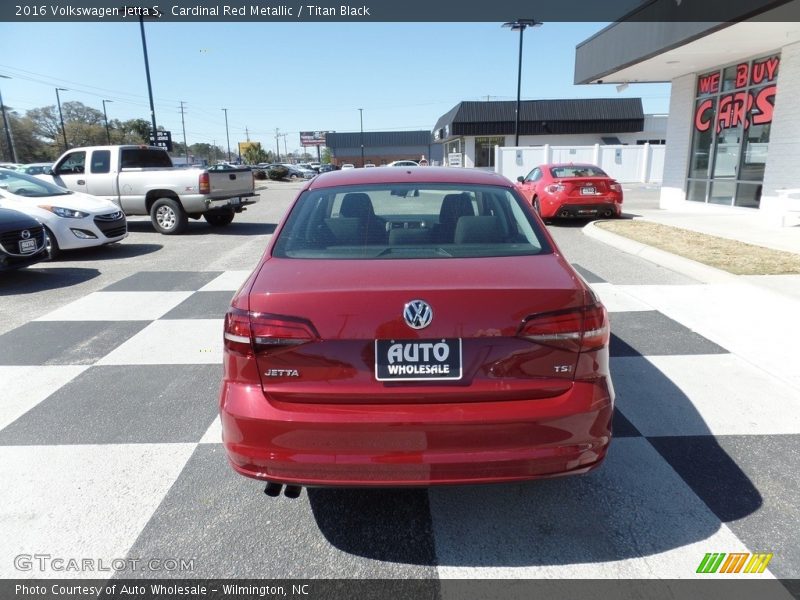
x,y
414,327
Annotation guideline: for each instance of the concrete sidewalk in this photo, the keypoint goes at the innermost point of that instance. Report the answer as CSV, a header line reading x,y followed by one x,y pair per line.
x,y
744,225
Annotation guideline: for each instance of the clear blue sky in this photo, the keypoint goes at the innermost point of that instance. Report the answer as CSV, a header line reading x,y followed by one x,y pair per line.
x,y
293,76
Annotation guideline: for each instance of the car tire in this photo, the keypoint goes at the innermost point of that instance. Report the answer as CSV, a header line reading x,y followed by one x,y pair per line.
x,y
51,243
168,216
536,207
219,219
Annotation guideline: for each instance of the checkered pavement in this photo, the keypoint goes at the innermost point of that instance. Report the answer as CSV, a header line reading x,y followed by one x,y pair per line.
x,y
110,448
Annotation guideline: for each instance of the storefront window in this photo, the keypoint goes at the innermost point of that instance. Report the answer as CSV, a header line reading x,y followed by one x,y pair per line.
x,y
732,121
484,150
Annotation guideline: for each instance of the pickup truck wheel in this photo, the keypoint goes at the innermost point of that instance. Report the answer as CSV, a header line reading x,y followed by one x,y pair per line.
x,y
168,216
219,219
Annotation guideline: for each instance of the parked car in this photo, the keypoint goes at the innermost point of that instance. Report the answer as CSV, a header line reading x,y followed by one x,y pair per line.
x,y
403,163
348,166
22,240
327,168
296,171
71,219
414,329
35,168
369,165
571,190
142,181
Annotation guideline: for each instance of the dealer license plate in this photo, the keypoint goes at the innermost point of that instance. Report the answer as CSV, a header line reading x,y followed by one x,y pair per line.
x,y
588,191
27,246
418,360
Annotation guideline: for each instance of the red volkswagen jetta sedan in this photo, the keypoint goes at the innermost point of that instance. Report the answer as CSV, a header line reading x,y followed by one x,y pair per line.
x,y
414,326
571,190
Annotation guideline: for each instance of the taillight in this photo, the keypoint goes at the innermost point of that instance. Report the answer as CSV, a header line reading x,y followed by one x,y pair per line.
x,y
554,188
577,330
615,186
204,184
248,333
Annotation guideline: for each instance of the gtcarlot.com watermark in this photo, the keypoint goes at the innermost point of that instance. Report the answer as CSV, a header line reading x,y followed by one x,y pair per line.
x,y
47,563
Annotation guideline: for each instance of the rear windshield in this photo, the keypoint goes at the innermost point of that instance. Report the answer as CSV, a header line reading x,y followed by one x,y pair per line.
x,y
141,158
577,171
409,221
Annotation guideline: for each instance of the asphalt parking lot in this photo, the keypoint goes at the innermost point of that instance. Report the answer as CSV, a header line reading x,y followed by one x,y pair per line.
x,y
109,444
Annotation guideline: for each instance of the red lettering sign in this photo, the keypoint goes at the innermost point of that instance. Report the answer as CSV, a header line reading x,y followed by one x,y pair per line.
x,y
708,84
765,70
765,104
741,75
701,121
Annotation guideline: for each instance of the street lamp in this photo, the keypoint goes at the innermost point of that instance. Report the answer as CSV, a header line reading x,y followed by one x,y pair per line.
x,y
105,115
227,135
10,140
519,25
149,85
361,119
61,115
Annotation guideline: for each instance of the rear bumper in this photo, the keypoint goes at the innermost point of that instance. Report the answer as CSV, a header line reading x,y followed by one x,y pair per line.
x,y
416,445
582,208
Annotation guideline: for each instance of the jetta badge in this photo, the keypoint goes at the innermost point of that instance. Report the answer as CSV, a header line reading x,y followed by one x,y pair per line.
x,y
418,314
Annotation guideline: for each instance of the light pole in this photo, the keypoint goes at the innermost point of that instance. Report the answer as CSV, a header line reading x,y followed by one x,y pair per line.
x,y
519,25
61,115
12,151
105,115
149,85
361,118
227,135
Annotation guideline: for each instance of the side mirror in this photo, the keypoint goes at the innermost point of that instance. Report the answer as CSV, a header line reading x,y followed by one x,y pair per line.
x,y
521,179
51,171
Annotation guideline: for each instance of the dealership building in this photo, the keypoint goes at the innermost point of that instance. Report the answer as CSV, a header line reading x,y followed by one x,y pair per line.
x,y
381,147
733,132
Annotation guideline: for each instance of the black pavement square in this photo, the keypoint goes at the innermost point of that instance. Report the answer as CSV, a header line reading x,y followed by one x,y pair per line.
x,y
164,281
64,342
651,333
232,529
751,483
123,405
202,305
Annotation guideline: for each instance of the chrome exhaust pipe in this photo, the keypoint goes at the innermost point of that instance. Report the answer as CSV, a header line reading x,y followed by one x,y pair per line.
x,y
273,489
292,491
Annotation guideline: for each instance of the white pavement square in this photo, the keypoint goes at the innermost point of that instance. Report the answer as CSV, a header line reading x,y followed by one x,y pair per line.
x,y
617,300
228,281
171,342
24,387
118,306
719,394
81,501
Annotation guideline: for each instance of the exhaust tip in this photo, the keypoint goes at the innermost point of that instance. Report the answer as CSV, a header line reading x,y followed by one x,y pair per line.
x,y
292,491
273,489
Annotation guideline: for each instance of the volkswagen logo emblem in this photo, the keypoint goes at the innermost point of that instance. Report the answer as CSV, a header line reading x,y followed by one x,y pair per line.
x,y
25,234
418,314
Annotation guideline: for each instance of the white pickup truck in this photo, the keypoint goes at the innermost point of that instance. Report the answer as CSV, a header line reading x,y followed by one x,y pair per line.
x,y
141,180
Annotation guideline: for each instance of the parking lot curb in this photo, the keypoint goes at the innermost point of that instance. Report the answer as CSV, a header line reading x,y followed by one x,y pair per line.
x,y
679,264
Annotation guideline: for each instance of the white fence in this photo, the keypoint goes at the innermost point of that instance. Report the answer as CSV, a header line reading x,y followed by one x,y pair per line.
x,y
627,164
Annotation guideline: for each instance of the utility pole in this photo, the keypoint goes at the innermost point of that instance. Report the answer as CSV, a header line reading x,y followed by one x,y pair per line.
x,y
183,125
278,144
361,118
10,139
227,134
285,151
246,133
105,116
61,115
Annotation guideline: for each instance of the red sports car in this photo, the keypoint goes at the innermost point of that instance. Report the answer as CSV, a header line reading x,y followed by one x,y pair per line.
x,y
571,191
413,327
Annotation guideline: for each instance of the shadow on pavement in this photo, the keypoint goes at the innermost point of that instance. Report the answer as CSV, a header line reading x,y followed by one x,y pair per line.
x,y
33,280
